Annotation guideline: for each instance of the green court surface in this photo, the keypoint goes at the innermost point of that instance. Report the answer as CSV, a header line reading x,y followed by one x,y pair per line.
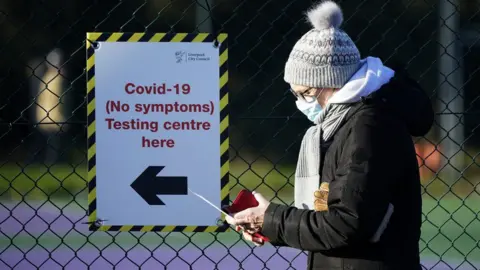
x,y
39,182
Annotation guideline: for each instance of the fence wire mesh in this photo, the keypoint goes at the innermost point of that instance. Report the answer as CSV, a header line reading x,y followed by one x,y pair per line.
x,y
43,124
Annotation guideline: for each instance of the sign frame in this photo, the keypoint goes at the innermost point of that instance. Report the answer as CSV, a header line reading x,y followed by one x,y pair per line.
x,y
92,40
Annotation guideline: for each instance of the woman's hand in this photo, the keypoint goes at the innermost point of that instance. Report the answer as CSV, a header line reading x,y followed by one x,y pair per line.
x,y
248,235
251,219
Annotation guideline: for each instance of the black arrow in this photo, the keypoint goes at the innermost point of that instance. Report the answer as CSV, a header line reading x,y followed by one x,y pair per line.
x,y
148,185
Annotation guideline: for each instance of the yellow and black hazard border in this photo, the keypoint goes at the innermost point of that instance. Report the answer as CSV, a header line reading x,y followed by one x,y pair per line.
x,y
93,39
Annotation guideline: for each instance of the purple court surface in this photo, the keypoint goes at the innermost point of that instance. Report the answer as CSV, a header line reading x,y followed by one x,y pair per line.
x,y
46,237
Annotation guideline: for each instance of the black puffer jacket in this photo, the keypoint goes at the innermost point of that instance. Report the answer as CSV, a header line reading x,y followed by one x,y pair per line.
x,y
369,163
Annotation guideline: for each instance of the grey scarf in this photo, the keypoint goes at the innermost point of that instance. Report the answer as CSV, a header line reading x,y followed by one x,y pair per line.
x,y
307,175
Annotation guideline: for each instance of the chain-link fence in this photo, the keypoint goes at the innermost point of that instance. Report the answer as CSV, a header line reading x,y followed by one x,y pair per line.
x,y
43,187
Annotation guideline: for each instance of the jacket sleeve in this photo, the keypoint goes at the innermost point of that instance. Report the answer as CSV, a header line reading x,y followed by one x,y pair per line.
x,y
358,197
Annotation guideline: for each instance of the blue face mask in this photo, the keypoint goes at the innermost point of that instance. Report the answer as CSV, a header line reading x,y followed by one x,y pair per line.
x,y
310,109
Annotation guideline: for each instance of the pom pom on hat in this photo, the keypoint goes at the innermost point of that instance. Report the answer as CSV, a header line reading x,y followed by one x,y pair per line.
x,y
324,15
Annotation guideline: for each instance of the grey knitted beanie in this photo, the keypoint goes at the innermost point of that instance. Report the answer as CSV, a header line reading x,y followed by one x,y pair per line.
x,y
325,57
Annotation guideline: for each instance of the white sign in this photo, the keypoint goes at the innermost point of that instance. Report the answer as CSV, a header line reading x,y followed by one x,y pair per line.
x,y
157,128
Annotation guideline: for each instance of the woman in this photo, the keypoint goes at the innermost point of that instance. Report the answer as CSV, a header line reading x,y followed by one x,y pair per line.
x,y
357,186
